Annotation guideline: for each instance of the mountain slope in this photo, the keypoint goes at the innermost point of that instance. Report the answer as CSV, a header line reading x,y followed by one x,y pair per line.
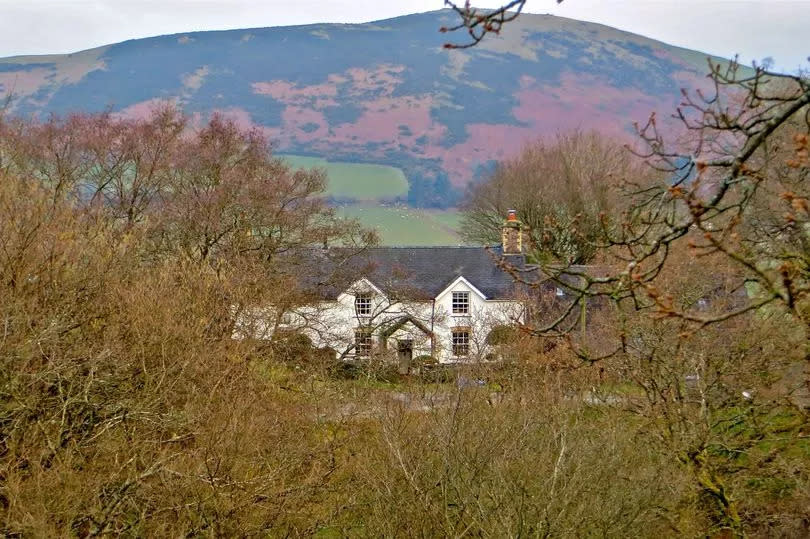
x,y
382,92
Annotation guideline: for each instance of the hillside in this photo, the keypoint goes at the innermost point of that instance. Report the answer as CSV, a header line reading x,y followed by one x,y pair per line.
x,y
382,92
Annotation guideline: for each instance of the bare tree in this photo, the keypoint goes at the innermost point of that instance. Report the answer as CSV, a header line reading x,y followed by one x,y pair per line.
x,y
562,191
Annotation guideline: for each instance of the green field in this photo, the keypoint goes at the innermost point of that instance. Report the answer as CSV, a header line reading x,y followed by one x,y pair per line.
x,y
368,185
358,181
403,225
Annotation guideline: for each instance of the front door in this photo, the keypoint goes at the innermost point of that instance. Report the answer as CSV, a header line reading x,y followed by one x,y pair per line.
x,y
404,355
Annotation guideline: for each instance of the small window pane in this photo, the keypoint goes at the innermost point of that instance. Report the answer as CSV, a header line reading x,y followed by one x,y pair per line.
x,y
362,304
461,342
461,302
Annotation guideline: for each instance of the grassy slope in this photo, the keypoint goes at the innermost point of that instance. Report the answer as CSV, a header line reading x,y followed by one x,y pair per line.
x,y
402,225
368,184
359,181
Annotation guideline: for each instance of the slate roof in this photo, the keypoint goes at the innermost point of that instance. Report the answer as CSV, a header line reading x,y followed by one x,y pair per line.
x,y
412,272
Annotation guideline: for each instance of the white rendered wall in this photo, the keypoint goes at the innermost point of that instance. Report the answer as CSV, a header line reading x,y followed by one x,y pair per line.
x,y
333,323
483,316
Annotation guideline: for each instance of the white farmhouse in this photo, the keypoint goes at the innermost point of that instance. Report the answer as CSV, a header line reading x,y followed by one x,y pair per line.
x,y
407,302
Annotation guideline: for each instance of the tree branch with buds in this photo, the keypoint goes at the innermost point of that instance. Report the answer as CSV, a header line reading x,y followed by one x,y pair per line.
x,y
477,23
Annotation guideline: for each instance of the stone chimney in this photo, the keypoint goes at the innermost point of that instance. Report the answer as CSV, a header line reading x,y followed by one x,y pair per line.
x,y
512,234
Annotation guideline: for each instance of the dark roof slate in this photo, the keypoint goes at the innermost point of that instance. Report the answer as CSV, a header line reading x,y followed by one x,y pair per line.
x,y
412,272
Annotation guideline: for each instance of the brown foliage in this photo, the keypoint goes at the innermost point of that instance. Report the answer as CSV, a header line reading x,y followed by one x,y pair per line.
x,y
127,406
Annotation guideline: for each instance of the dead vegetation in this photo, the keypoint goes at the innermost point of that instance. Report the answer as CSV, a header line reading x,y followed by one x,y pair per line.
x,y
127,250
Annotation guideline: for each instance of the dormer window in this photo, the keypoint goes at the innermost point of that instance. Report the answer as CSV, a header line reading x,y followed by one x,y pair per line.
x,y
461,302
362,304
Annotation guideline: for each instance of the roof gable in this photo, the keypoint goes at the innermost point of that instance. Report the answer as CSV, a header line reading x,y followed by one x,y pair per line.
x,y
402,322
460,279
362,285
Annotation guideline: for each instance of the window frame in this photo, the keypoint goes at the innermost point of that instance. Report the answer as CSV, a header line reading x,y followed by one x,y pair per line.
x,y
460,341
363,342
362,303
459,305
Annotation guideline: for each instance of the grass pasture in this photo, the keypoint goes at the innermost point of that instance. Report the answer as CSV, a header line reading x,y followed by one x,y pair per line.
x,y
358,181
403,225
365,186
